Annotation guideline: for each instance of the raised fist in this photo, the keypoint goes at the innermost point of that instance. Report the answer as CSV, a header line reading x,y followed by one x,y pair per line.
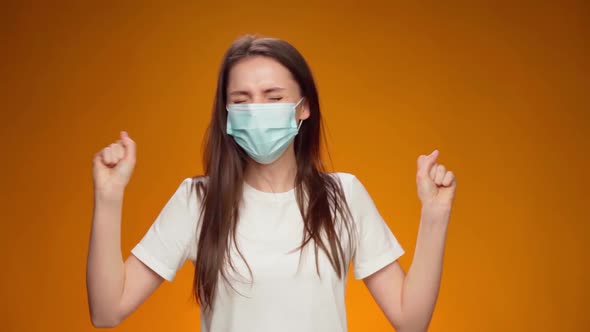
x,y
113,166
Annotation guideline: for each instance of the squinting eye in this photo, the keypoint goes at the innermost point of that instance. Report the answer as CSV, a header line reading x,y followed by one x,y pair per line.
x,y
276,98
239,101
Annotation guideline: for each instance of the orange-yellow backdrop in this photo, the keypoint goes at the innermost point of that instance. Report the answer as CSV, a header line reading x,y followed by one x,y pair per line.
x,y
499,87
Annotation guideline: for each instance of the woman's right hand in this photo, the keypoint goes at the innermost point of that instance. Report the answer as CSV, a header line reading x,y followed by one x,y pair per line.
x,y
113,166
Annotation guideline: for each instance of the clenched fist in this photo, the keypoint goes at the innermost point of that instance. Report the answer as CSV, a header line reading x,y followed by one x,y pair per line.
x,y
113,166
436,185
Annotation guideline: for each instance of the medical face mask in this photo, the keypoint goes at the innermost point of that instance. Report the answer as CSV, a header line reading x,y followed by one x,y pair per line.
x,y
263,130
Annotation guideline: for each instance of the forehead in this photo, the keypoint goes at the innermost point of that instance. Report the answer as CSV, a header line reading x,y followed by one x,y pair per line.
x,y
259,72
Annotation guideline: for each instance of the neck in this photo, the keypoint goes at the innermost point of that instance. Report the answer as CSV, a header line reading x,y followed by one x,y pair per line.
x,y
278,176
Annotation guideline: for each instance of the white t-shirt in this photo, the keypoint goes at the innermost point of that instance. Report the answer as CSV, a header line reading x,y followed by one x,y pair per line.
x,y
285,295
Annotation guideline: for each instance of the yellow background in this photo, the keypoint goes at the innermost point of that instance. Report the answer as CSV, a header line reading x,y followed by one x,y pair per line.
x,y
500,88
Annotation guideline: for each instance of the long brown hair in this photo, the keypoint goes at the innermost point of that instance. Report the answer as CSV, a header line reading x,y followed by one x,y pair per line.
x,y
319,195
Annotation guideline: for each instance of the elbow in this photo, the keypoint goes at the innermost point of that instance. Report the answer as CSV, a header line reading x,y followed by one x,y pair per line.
x,y
411,326
400,327
102,321
411,329
410,323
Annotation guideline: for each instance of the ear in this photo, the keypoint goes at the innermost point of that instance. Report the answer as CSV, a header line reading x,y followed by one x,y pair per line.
x,y
303,110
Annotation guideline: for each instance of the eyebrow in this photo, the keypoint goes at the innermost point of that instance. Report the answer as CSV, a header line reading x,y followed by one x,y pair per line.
x,y
269,90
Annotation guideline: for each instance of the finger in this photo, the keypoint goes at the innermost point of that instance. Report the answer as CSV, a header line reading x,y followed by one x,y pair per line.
x,y
425,163
113,153
129,144
420,173
97,159
432,172
106,156
112,158
440,174
121,149
118,151
448,179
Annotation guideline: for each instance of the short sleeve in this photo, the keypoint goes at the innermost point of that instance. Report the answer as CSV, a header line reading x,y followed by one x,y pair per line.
x,y
166,245
376,245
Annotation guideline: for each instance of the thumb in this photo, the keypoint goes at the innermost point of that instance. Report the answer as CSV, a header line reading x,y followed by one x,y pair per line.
x,y
129,144
428,162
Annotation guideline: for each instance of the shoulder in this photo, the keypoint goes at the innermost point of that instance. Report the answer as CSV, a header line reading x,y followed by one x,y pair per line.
x,y
189,191
343,176
354,190
349,182
193,183
187,186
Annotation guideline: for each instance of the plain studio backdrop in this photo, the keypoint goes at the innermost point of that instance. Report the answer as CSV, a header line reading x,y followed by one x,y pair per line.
x,y
500,88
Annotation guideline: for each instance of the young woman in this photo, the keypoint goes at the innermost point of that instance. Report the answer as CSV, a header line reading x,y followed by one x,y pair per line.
x,y
270,233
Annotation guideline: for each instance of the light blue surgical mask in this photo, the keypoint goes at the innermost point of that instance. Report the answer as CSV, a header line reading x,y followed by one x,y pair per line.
x,y
263,130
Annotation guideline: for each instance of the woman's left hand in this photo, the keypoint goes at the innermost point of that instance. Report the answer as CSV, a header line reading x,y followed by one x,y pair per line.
x,y
436,184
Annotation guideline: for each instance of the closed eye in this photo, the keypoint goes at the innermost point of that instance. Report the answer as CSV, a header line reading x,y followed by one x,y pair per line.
x,y
275,98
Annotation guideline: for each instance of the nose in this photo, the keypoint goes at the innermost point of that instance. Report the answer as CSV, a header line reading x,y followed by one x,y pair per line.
x,y
258,99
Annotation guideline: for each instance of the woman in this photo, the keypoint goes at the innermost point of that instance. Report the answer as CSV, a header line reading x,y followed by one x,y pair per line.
x,y
270,233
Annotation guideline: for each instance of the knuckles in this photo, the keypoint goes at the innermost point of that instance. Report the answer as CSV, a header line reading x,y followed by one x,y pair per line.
x,y
114,152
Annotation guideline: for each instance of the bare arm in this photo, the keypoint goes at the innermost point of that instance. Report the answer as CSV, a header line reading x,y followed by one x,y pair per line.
x,y
408,301
114,288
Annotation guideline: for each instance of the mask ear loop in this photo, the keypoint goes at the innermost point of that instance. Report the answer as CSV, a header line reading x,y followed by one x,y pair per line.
x,y
300,121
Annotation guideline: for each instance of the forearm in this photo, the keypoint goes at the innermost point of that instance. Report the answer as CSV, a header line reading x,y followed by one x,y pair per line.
x,y
422,282
105,276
